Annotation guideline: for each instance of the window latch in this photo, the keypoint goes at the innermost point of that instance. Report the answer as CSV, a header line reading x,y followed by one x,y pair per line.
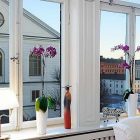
x,y
14,58
110,2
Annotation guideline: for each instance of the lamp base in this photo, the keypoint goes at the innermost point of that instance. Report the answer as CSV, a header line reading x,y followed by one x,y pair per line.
x,y
5,137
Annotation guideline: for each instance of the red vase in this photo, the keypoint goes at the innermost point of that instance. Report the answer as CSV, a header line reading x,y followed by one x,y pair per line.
x,y
67,110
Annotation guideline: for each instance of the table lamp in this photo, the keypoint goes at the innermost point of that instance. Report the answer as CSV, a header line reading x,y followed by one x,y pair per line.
x,y
8,101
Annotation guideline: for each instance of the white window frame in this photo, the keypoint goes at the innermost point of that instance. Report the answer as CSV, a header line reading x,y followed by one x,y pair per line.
x,y
15,50
65,65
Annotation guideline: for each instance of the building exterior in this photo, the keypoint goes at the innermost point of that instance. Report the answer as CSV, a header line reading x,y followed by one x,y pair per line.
x,y
114,77
110,66
35,32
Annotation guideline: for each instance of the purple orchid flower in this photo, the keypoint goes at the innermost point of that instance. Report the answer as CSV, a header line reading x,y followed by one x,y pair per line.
x,y
125,48
50,52
40,51
124,65
37,51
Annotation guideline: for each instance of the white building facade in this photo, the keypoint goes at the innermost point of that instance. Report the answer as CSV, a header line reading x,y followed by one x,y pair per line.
x,y
35,32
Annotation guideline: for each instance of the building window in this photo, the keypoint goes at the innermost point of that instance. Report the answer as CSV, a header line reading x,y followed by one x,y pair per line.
x,y
35,94
34,65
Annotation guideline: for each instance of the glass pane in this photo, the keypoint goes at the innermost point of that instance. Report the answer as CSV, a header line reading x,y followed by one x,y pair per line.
x,y
112,78
41,27
137,62
4,50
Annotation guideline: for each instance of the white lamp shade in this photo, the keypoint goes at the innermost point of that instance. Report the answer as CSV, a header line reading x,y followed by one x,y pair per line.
x,y
8,99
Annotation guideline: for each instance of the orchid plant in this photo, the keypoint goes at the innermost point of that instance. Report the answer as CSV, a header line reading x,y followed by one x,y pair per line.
x,y
128,64
39,50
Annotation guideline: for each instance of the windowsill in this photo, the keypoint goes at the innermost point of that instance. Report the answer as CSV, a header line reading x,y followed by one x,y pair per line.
x,y
58,131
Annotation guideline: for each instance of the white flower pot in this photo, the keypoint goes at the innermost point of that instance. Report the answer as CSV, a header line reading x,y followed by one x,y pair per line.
x,y
132,104
41,122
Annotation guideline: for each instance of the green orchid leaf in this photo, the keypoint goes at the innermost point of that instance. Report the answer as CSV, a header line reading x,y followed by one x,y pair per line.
x,y
43,104
126,95
37,104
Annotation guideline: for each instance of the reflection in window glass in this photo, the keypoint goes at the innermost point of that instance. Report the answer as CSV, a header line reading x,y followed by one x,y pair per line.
x,y
137,61
112,78
41,26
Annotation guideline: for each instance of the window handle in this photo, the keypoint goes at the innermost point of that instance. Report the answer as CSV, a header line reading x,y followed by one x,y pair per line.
x,y
14,58
110,2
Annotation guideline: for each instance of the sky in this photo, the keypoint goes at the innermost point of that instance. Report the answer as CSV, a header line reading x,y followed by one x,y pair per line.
x,y
113,32
113,25
48,12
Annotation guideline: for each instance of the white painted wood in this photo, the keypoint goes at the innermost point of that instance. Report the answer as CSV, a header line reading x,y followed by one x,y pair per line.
x,y
112,138
122,3
15,43
91,136
85,61
65,49
57,1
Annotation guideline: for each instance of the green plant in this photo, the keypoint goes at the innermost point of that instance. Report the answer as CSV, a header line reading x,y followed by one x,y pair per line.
x,y
41,103
51,103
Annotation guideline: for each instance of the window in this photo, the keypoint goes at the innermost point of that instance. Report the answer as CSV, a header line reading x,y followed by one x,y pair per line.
x,y
113,32
41,26
35,94
34,66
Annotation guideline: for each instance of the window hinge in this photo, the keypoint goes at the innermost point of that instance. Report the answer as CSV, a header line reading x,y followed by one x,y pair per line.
x,y
110,2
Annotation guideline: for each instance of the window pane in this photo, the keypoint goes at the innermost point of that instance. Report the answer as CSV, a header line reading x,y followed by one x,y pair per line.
x,y
137,62
41,26
4,50
112,78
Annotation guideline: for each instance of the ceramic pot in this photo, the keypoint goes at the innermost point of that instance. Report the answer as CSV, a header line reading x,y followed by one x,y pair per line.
x,y
67,109
41,122
132,104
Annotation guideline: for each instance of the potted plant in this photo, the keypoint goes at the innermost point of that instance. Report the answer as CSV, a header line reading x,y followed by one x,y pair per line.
x,y
41,103
41,106
128,65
